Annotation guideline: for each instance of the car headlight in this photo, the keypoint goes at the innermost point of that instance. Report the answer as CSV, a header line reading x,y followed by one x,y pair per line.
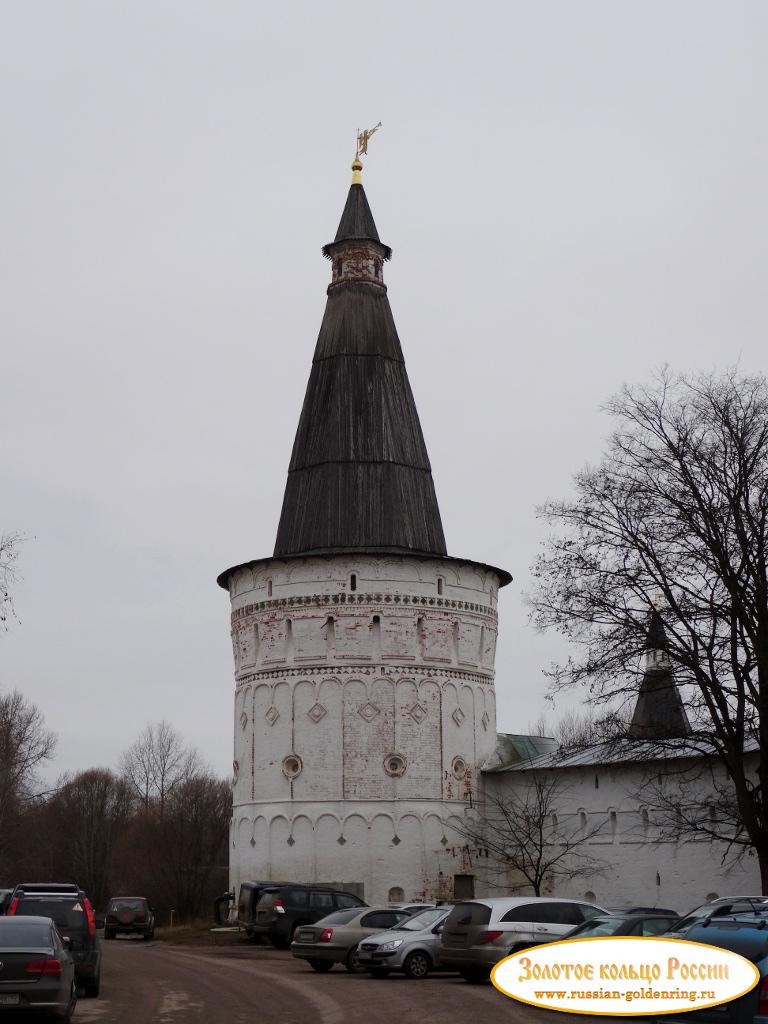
x,y
391,945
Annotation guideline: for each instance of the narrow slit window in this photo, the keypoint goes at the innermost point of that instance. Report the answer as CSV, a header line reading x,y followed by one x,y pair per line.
x,y
440,585
269,588
353,581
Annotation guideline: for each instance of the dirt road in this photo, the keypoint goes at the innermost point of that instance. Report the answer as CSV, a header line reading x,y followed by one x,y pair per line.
x,y
153,983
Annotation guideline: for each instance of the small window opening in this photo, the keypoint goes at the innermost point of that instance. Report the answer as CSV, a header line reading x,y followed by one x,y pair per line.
x,y
597,781
353,582
396,894
439,584
583,820
614,823
269,588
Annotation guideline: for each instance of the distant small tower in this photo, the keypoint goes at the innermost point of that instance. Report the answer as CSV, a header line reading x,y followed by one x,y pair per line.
x,y
659,712
364,654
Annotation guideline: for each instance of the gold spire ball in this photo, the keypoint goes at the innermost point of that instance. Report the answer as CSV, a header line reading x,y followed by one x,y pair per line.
x,y
362,147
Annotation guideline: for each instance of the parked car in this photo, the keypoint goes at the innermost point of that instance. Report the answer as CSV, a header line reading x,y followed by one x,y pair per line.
x,y
282,909
724,906
652,923
334,939
38,972
247,899
73,915
5,899
478,933
129,915
413,947
745,934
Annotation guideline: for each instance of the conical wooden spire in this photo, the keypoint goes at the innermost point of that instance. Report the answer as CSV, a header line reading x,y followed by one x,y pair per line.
x,y
359,476
659,712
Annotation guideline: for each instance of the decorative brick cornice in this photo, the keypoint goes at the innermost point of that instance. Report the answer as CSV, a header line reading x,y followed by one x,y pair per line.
x,y
378,671
378,603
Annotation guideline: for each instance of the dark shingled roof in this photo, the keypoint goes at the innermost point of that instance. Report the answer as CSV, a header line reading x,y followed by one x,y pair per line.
x,y
357,223
659,712
359,476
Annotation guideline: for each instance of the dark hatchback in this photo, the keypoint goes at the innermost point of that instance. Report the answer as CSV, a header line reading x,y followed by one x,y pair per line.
x,y
747,935
38,972
73,915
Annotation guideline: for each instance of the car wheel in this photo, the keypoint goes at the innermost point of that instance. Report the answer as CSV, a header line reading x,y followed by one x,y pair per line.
x,y
66,1017
92,988
149,935
378,972
417,965
321,966
474,976
352,962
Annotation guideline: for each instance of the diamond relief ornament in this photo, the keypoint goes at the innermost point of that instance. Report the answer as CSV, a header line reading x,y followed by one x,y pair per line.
x,y
368,711
317,712
418,713
458,716
243,720
290,840
485,720
271,714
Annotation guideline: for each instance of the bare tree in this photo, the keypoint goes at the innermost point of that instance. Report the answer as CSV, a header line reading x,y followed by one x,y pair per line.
x,y
156,763
9,553
25,744
86,817
181,860
678,507
522,831
576,730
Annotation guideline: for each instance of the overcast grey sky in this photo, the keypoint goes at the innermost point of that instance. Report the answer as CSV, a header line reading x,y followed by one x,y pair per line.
x,y
575,194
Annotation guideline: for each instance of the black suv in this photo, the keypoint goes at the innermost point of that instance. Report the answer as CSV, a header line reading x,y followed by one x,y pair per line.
x,y
73,915
282,909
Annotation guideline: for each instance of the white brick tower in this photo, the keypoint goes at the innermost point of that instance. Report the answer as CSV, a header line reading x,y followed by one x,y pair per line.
x,y
364,654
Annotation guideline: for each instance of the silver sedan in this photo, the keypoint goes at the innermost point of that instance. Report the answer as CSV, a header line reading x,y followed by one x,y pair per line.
x,y
334,939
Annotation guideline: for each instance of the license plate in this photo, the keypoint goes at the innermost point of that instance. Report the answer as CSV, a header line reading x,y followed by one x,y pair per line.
x,y
9,1000
364,956
305,937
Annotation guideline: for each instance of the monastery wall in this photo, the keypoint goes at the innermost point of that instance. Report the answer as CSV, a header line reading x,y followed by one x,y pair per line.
x,y
635,864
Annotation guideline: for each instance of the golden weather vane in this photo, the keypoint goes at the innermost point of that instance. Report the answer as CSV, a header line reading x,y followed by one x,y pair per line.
x,y
363,139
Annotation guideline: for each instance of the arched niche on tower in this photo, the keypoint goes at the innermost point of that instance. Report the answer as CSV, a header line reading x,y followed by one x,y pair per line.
x,y
417,737
296,850
356,856
328,851
317,729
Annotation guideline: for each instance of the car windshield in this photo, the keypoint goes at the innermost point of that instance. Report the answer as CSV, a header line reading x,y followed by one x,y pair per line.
x,y
599,926
340,917
421,921
65,913
24,936
117,905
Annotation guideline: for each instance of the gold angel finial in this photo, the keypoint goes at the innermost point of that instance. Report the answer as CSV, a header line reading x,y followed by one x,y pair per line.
x,y
363,137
